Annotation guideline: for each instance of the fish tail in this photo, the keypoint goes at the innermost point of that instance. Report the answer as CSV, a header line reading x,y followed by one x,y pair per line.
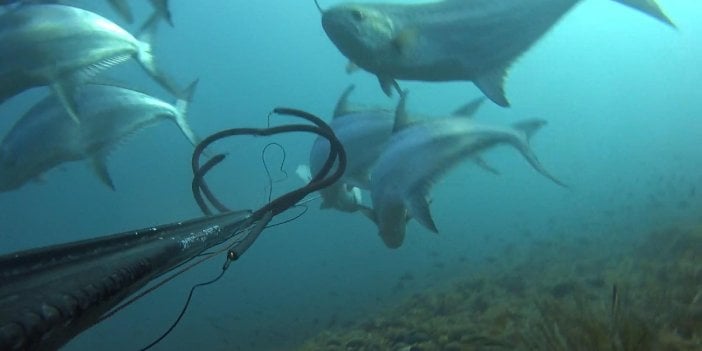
x,y
122,8
649,7
182,105
146,58
527,129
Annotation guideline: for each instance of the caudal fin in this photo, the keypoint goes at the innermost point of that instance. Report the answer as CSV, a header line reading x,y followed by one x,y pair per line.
x,y
146,59
162,10
527,129
649,7
181,106
122,8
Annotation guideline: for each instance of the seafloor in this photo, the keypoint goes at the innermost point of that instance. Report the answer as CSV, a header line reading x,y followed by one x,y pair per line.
x,y
588,294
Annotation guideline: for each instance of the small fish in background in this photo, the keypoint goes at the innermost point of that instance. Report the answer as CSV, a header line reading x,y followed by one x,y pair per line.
x,y
340,196
45,137
161,10
63,47
363,131
449,40
121,7
419,153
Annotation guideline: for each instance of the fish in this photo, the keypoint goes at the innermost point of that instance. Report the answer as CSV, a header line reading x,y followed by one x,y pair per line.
x,y
63,46
449,40
162,9
44,138
420,153
363,131
121,7
342,195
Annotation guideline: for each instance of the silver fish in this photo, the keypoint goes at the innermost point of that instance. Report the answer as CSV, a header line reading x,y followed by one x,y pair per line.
x,y
63,46
161,10
420,153
45,138
120,6
363,131
449,40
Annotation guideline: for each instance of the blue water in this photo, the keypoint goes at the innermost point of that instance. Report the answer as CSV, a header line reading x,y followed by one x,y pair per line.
x,y
621,93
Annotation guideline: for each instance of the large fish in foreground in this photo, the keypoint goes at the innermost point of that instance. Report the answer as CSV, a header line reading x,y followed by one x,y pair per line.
x,y
45,137
420,153
62,47
449,40
363,131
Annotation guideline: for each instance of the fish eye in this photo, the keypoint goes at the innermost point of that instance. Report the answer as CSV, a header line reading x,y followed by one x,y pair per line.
x,y
357,15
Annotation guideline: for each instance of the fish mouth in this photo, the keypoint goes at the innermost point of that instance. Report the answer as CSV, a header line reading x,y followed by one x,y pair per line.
x,y
339,27
392,241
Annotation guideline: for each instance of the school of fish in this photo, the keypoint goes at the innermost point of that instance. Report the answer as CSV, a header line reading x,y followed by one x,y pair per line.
x,y
53,44
393,155
398,158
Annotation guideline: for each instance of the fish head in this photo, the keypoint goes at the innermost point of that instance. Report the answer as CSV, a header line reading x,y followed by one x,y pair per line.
x,y
358,31
392,224
342,197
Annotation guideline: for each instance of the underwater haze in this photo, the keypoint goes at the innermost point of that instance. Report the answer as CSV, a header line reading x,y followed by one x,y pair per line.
x,y
621,92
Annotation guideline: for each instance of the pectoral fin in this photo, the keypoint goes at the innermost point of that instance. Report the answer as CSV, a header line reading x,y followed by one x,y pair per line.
x,y
387,84
418,206
492,85
480,162
404,41
402,119
100,168
64,93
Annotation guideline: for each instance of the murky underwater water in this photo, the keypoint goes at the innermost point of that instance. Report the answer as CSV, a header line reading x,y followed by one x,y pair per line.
x,y
611,263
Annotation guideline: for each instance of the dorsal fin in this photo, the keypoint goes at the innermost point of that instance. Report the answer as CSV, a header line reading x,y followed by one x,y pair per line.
x,y
492,85
401,117
342,105
468,110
